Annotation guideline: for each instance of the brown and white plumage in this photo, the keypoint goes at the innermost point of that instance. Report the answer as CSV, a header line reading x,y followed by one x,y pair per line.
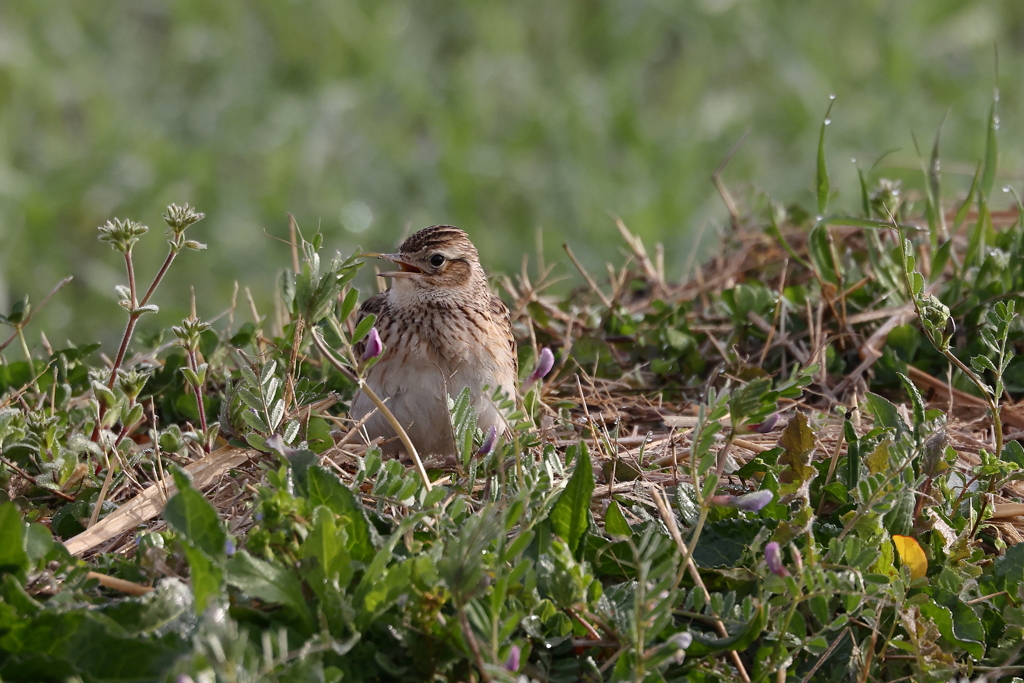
x,y
442,331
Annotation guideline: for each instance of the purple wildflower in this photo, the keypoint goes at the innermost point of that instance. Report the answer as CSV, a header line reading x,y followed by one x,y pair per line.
x,y
681,640
490,438
752,502
374,347
512,663
545,362
768,425
749,502
229,546
773,557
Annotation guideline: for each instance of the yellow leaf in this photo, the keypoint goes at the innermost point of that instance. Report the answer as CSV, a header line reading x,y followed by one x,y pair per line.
x,y
911,555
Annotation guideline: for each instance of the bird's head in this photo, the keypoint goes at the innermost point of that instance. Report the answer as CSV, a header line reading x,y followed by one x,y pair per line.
x,y
438,261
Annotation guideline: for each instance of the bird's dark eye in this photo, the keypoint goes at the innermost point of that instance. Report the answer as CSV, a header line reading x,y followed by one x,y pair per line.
x,y
436,260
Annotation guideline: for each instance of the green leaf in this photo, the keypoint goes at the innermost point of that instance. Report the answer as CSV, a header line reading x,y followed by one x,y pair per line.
x,y
976,243
703,645
327,489
819,248
615,522
326,546
915,399
569,516
960,626
268,581
885,413
363,328
13,556
348,304
194,518
206,575
318,435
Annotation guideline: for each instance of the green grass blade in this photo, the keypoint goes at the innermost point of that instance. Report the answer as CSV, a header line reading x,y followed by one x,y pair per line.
x,y
865,200
991,163
935,180
965,208
823,183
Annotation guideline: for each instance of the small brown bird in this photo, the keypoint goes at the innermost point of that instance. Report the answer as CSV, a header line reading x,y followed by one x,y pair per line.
x,y
442,331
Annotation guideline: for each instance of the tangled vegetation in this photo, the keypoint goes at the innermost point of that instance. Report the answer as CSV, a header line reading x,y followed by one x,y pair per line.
x,y
802,464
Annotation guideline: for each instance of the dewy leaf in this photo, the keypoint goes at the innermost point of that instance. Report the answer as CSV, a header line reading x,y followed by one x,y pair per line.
x,y
191,515
615,522
569,514
13,556
911,555
327,489
798,441
267,581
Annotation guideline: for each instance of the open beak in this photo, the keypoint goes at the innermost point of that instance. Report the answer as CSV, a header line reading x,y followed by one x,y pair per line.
x,y
407,269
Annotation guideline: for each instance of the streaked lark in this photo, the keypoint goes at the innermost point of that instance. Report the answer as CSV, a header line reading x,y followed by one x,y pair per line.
x,y
442,331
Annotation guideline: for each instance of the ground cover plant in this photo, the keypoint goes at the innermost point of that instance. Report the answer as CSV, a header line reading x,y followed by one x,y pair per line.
x,y
800,464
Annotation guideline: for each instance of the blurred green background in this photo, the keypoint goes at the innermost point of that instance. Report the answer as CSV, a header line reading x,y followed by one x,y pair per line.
x,y
367,119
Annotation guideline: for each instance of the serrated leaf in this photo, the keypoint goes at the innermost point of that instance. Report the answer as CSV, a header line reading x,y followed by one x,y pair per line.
x,y
879,460
798,441
982,363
